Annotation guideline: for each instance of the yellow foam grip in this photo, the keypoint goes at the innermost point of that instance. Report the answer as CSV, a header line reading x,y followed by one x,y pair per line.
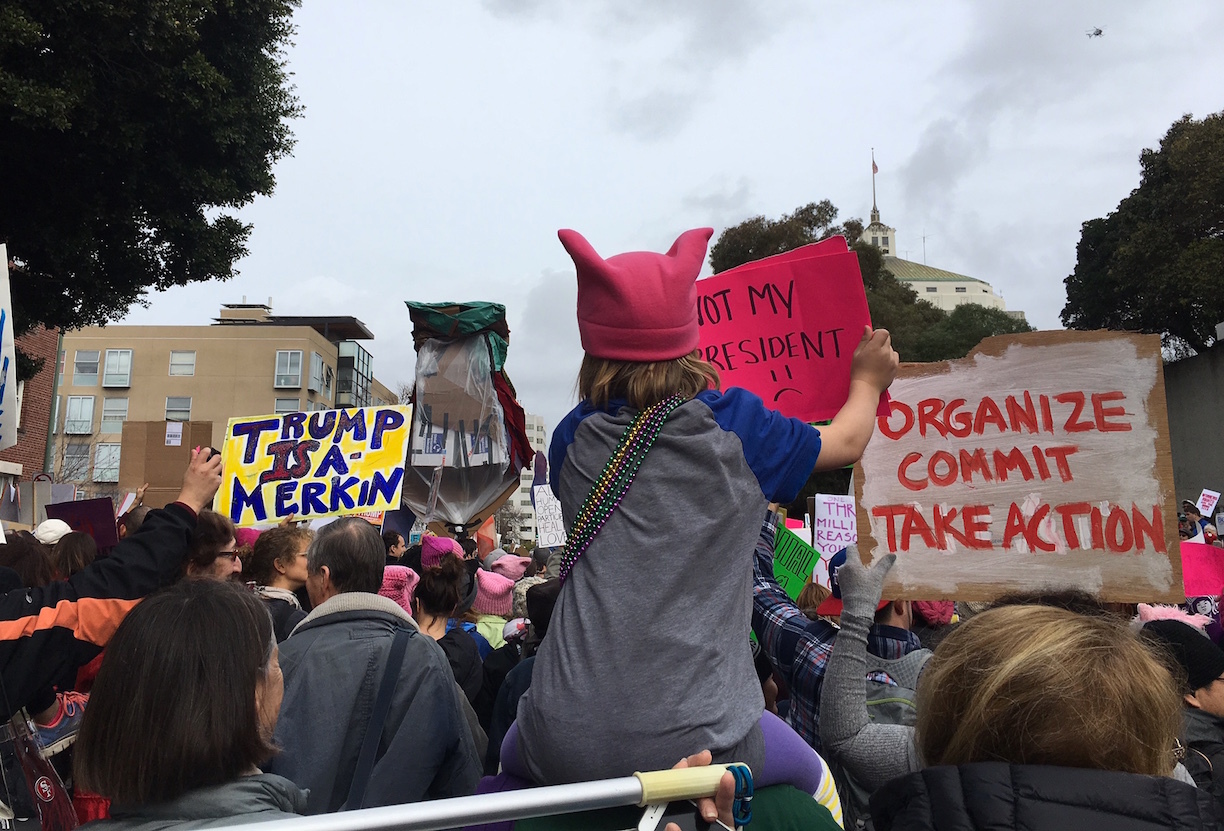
x,y
686,783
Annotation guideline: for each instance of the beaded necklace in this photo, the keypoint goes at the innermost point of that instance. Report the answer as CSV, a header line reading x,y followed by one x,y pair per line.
x,y
618,474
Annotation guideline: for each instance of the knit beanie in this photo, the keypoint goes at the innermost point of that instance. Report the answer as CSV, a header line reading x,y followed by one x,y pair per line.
x,y
1202,660
492,557
639,306
399,582
511,567
493,594
433,549
246,537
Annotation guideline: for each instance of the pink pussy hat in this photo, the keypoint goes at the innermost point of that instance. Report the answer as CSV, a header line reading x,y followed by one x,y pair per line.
x,y
494,594
511,567
399,583
639,306
433,549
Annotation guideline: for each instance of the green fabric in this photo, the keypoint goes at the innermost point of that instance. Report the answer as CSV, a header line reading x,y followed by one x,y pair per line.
x,y
776,808
456,320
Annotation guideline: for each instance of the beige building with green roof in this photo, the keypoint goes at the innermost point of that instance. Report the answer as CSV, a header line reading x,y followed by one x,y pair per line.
x,y
943,289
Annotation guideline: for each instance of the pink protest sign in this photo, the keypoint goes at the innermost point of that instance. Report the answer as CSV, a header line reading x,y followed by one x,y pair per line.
x,y
1202,569
785,327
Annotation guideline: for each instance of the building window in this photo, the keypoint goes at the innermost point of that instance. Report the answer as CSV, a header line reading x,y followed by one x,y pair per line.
x,y
106,463
287,405
182,363
85,368
118,368
55,411
289,368
875,240
79,419
178,408
76,461
114,413
932,289
354,374
316,373
884,240
961,290
63,359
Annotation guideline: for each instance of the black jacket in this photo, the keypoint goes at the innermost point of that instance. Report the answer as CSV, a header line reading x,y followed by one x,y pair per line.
x,y
1203,736
997,796
49,631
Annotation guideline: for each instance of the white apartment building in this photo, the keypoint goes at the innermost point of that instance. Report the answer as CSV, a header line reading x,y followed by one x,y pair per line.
x,y
537,434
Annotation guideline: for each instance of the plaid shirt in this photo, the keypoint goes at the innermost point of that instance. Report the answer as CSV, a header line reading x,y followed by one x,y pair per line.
x,y
799,648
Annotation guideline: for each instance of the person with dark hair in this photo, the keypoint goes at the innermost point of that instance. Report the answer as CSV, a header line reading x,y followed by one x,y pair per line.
x,y
29,558
130,522
278,567
49,632
434,602
340,653
202,656
1198,665
393,541
213,554
74,552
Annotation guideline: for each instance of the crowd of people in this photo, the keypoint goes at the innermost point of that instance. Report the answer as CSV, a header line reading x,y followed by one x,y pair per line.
x,y
201,675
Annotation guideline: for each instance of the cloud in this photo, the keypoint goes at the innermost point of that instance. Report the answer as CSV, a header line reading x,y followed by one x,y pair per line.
x,y
545,351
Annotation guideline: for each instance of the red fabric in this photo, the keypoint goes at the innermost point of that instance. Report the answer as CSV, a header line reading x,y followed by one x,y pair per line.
x,y
90,806
87,674
639,306
935,612
516,422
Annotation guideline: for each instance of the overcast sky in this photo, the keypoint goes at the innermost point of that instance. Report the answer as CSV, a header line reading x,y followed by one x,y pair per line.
x,y
443,145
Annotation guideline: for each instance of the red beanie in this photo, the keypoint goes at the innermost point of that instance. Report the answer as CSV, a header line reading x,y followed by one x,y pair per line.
x,y
639,306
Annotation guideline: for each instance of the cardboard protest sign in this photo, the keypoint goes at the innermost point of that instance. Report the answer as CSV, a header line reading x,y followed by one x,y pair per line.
x,y
1207,501
550,525
1202,569
9,412
1040,460
785,327
95,517
794,561
311,465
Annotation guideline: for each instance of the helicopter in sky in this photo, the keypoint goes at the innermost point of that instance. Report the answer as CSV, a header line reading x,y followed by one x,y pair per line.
x,y
1095,33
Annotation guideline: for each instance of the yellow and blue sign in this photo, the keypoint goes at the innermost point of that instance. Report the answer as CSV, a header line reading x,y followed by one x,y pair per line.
x,y
311,465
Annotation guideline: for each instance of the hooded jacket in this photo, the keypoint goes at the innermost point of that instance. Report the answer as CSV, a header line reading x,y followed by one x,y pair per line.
x,y
333,664
48,632
258,798
998,795
1203,736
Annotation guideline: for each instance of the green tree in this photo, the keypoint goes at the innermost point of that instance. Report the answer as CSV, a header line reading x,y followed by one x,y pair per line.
x,y
960,331
130,129
1156,263
894,305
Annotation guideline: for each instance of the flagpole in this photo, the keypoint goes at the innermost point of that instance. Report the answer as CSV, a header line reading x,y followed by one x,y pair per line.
x,y
873,175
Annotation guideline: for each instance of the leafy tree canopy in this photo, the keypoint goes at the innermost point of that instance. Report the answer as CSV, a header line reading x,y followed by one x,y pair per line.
x,y
963,329
1156,264
128,128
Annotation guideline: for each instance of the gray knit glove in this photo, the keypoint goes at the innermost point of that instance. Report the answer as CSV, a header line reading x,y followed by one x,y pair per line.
x,y
861,587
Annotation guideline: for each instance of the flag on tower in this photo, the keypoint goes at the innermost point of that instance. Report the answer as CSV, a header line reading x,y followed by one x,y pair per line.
x,y
874,169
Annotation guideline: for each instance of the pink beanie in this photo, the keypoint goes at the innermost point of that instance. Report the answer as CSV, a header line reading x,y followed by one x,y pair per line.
x,y
433,549
245,536
511,566
494,594
639,306
398,584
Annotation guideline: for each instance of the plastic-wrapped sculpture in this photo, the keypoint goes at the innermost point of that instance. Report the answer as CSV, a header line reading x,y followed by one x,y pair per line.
x,y
469,441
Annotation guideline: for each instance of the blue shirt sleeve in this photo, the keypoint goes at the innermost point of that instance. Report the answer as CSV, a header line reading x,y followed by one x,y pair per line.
x,y
780,451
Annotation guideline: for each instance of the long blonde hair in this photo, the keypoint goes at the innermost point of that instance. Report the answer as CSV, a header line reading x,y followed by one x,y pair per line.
x,y
644,383
1044,686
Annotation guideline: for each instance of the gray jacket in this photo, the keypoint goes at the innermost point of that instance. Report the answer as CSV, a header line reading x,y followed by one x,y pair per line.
x,y
248,799
333,664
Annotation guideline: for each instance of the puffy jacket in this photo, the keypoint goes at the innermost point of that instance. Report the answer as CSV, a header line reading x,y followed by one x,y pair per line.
x,y
1203,735
993,796
48,632
249,799
333,665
